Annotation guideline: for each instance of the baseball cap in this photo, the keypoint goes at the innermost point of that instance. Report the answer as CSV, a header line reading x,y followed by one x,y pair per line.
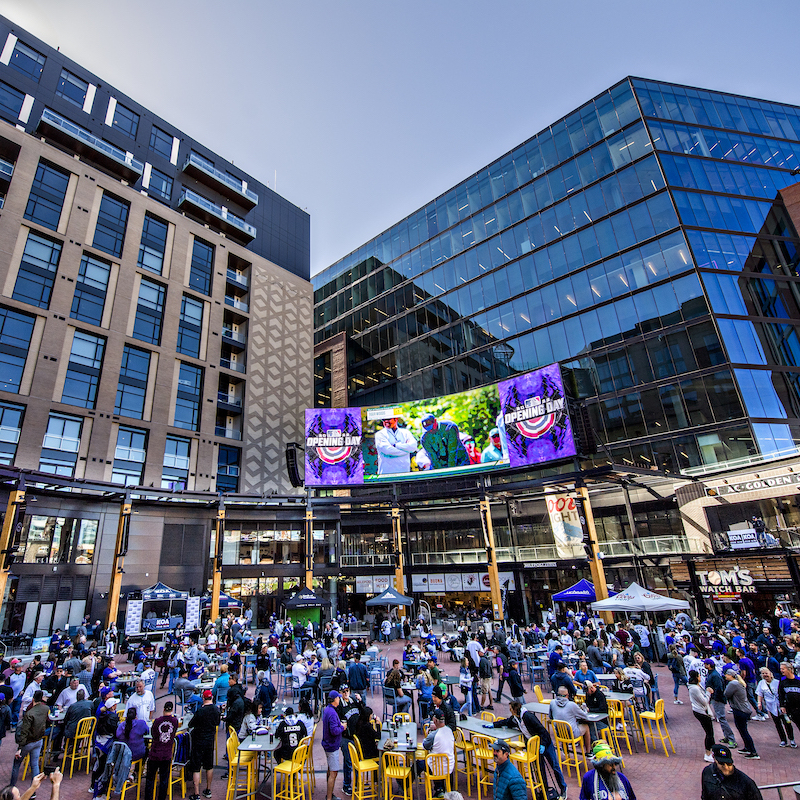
x,y
333,694
428,420
499,744
438,714
709,662
722,754
494,432
111,702
15,661
207,693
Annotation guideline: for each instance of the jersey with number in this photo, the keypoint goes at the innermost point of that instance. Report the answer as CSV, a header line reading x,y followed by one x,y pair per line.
x,y
289,733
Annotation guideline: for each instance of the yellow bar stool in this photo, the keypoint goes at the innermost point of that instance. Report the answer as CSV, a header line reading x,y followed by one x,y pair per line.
x,y
365,774
81,746
608,737
236,763
467,749
401,718
309,773
540,698
181,751
484,759
396,769
488,716
527,761
437,769
658,717
572,746
137,769
618,724
292,786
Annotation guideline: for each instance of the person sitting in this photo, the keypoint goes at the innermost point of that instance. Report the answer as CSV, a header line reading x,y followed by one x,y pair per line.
x,y
584,674
439,740
368,733
562,678
221,686
394,680
439,704
289,732
562,708
596,703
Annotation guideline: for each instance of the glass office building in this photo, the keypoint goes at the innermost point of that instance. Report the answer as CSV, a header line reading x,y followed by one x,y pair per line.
x,y
642,241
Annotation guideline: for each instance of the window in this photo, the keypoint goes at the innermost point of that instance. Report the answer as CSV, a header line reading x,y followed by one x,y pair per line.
x,y
149,312
153,244
61,445
161,142
129,456
187,404
126,120
112,219
228,469
11,100
26,60
72,88
160,185
190,326
55,540
83,372
90,290
16,330
47,195
175,472
37,271
203,161
10,428
202,267
132,386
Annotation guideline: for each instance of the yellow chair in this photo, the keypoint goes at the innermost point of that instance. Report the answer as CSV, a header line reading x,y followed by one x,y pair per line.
x,y
572,746
181,751
527,761
363,768
656,716
484,760
122,713
27,760
137,769
401,718
309,773
468,750
608,737
437,769
540,698
81,745
487,716
396,769
292,786
616,717
238,761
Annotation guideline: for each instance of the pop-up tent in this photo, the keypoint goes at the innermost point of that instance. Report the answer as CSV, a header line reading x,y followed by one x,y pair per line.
x,y
225,601
637,598
390,597
160,591
163,617
305,598
581,592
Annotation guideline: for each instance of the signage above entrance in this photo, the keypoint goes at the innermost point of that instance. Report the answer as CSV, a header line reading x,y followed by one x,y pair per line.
x,y
758,484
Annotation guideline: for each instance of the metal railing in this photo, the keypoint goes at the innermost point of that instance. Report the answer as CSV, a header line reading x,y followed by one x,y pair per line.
x,y
130,454
6,168
366,560
745,461
236,337
66,444
227,433
222,177
232,301
188,196
9,434
650,546
224,397
236,366
793,786
235,277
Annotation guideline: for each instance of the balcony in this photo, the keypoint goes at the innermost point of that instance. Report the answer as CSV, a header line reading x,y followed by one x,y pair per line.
x,y
216,216
176,462
130,454
228,469
237,279
366,560
9,435
221,182
79,140
230,405
6,173
238,340
66,444
236,366
227,433
237,304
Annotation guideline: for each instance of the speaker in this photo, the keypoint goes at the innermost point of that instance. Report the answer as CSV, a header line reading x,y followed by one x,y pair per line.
x,y
292,467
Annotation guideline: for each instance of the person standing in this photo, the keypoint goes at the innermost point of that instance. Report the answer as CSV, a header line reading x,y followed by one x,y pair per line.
x,y
395,446
143,701
701,708
203,726
767,694
30,736
508,783
722,781
736,695
715,686
332,730
16,680
159,761
678,669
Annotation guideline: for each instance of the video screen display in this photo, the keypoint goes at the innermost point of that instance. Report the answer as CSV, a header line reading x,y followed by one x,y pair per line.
x,y
522,421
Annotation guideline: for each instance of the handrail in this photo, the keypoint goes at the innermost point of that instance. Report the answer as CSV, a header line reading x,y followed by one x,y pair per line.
x,y
778,786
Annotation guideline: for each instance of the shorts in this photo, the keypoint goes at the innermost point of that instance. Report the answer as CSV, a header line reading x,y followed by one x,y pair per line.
x,y
486,685
334,760
202,757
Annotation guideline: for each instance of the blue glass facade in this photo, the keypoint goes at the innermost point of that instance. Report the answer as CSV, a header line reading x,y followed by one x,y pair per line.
x,y
641,241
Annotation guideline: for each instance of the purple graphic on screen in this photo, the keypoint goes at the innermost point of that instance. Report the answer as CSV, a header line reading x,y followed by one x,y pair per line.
x,y
333,447
533,410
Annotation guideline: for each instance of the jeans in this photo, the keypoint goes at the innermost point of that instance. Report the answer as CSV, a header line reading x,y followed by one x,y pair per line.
x,y
647,652
740,720
552,759
678,679
719,711
173,676
402,703
161,767
34,750
751,696
347,767
16,704
501,682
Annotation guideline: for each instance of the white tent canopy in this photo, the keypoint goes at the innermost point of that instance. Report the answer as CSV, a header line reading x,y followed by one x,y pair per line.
x,y
637,598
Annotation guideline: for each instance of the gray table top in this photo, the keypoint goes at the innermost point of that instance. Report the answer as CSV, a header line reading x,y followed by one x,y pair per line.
x,y
259,744
408,728
475,725
543,708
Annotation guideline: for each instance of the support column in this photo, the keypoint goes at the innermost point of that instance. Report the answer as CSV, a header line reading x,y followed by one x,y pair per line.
x,y
595,564
634,536
494,577
397,540
216,576
117,564
309,548
12,522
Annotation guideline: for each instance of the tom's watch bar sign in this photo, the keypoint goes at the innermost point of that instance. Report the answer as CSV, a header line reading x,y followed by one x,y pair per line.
x,y
725,583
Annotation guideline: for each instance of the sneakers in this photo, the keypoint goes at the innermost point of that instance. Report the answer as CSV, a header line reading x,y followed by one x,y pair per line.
x,y
677,702
793,743
730,743
207,793
753,756
194,797
348,792
783,744
710,759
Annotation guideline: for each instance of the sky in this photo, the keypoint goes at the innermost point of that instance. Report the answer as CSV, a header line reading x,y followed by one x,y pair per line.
x,y
365,110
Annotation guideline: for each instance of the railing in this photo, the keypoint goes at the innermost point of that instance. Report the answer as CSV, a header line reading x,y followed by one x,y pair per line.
x,y
237,337
222,177
224,397
8,434
228,469
176,462
227,433
366,560
547,552
236,366
93,141
241,280
66,444
6,168
745,461
449,557
130,454
793,786
188,196
238,304
650,546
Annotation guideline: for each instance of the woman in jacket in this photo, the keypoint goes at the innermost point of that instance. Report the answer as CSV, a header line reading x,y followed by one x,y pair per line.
x,y
677,668
368,732
736,695
701,708
767,694
132,732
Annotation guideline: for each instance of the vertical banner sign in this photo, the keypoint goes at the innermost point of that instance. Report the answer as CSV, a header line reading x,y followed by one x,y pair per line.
x,y
566,524
133,618
192,613
333,447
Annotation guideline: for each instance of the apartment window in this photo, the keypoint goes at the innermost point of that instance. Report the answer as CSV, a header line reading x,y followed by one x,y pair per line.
x,y
61,445
47,195
203,161
175,472
10,429
161,142
16,331
160,185
202,266
190,326
72,88
90,290
126,120
26,60
149,312
11,100
37,271
187,404
55,540
129,456
228,459
132,386
153,244
109,235
83,372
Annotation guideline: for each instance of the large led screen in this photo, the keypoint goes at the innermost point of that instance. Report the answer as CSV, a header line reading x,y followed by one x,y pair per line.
x,y
519,422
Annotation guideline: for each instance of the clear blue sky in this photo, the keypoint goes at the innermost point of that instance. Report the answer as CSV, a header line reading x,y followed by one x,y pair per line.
x,y
368,109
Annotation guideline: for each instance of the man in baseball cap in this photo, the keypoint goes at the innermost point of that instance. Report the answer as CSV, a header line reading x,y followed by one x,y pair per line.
x,y
716,684
204,725
508,783
440,740
722,780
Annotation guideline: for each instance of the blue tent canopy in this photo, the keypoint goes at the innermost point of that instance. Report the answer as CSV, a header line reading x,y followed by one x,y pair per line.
x,y
581,592
390,597
160,591
225,601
